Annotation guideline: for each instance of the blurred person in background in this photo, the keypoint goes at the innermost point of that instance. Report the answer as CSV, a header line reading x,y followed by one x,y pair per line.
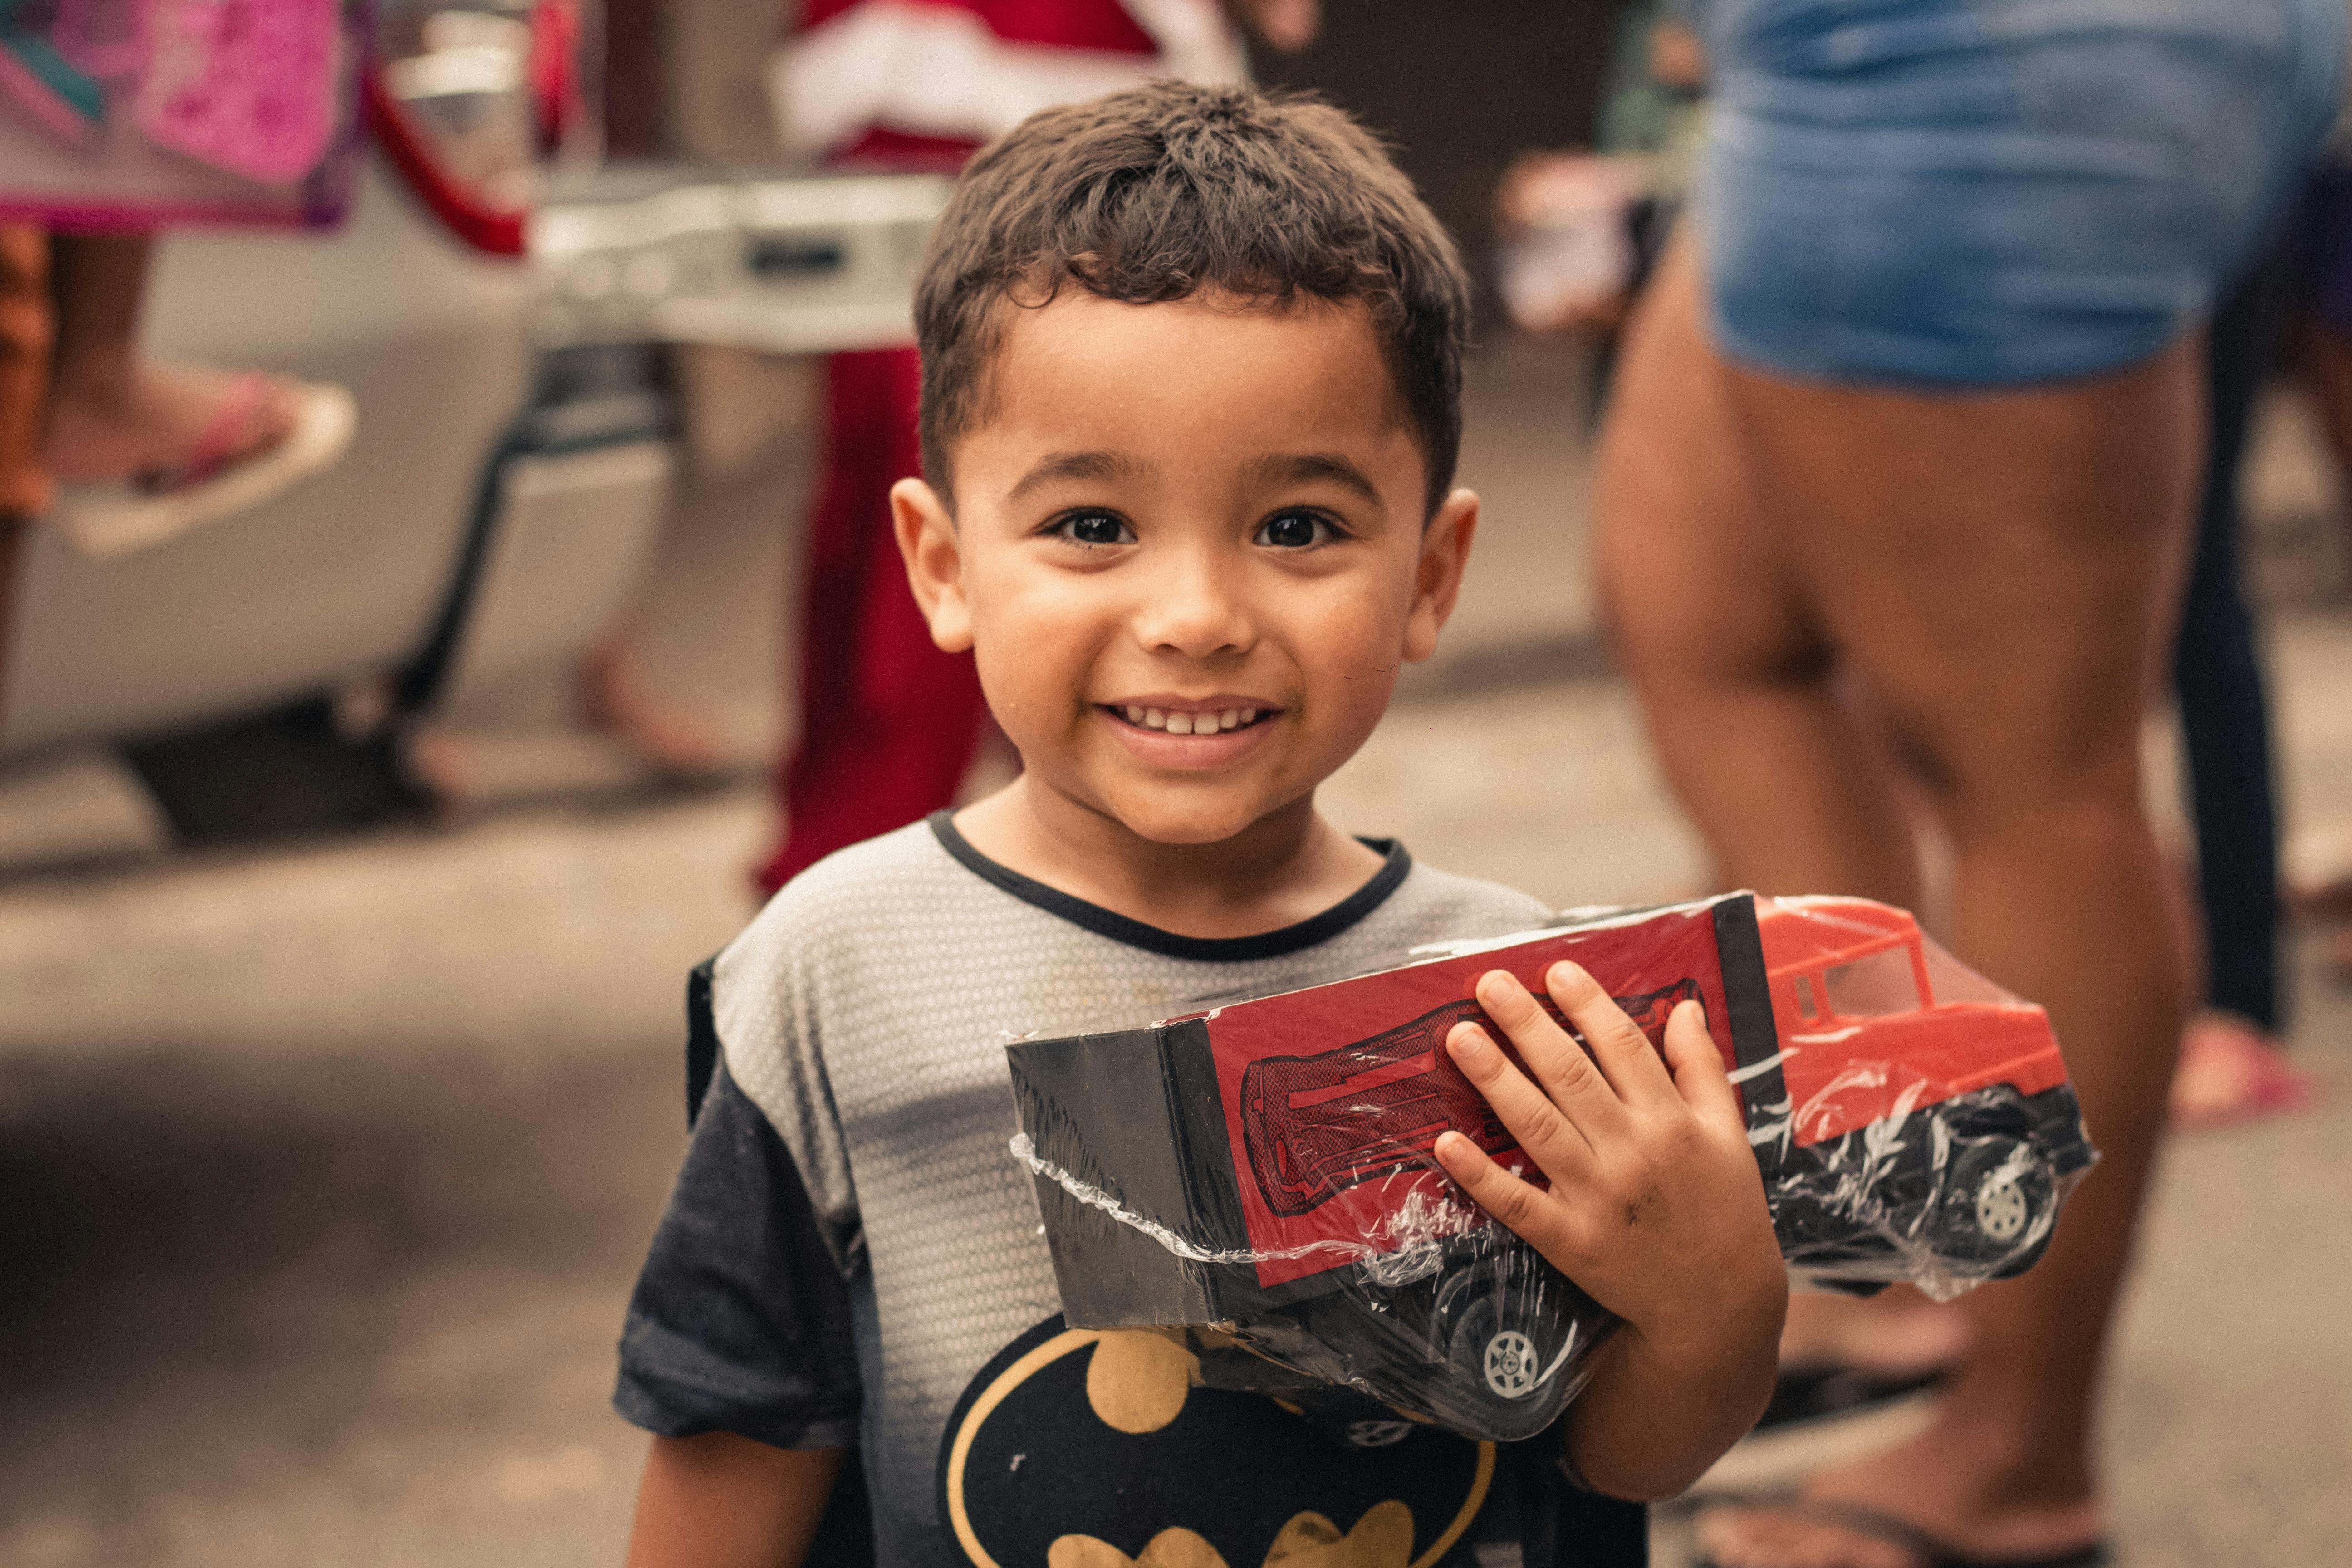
x,y
889,724
1582,230
1912,417
2321,337
2231,1066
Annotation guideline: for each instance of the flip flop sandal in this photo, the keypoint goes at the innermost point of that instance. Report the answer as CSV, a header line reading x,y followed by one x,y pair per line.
x,y
1817,1393
220,479
1932,1551
2235,1075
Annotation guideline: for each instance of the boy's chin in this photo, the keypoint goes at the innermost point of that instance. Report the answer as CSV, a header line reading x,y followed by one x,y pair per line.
x,y
1200,821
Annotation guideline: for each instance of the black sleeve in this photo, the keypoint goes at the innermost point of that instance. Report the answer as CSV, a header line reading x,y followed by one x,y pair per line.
x,y
740,1318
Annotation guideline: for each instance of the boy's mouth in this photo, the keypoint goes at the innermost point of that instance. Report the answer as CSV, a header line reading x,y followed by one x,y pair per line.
x,y
1187,722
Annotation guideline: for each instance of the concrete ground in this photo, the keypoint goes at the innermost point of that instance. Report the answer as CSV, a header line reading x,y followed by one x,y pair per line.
x,y
324,1169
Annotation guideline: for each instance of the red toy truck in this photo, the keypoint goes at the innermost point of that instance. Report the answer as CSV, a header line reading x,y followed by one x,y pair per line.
x,y
1265,1164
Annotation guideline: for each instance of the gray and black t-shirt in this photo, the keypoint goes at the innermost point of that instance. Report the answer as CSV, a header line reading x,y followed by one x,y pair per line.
x,y
852,1258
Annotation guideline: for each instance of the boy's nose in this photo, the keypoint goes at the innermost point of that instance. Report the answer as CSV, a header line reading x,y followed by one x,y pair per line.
x,y
1193,610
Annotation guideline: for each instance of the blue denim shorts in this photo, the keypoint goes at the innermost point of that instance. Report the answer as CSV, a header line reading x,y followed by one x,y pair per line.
x,y
1992,192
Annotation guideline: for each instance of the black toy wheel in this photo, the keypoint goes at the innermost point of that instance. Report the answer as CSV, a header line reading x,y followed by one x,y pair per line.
x,y
1997,1202
1495,1358
1503,1336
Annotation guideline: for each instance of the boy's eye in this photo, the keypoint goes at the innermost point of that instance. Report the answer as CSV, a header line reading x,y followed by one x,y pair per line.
x,y
1296,531
1092,528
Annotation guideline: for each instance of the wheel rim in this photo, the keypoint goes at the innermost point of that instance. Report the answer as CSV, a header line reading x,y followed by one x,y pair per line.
x,y
1510,1364
2001,1208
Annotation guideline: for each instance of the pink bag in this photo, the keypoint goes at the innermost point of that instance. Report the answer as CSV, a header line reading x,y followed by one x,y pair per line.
x,y
247,85
131,113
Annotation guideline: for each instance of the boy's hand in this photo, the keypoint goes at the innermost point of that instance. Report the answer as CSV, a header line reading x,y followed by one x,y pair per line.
x,y
1656,1208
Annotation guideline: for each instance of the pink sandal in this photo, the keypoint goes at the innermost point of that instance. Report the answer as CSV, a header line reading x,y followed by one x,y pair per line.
x,y
222,477
2230,1072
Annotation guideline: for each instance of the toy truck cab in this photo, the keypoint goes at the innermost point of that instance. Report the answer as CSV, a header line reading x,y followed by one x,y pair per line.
x,y
1857,988
1921,1099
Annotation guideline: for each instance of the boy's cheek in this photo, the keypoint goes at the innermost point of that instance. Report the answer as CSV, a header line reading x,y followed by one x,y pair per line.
x,y
1356,663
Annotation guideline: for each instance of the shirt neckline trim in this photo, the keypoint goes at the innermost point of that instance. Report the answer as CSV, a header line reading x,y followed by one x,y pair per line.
x,y
1395,864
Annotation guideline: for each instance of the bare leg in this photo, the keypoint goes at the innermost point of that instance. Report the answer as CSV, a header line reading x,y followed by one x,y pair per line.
x,y
1999,569
24,345
613,696
26,329
112,413
1739,684
1736,676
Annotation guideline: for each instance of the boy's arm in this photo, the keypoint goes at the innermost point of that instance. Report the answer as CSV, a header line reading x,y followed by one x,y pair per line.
x,y
718,1500
738,1354
1655,1208
1650,1421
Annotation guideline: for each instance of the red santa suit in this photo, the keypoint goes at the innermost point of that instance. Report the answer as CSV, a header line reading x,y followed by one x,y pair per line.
x,y
887,721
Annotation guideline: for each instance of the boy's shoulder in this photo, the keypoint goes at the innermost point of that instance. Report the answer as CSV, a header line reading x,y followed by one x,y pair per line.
x,y
1432,905
853,898
1440,893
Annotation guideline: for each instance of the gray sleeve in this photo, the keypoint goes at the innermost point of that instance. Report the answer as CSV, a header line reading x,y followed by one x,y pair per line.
x,y
741,1318
766,1014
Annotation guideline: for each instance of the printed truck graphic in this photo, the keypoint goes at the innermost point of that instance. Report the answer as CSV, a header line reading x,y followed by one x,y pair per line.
x,y
1316,1125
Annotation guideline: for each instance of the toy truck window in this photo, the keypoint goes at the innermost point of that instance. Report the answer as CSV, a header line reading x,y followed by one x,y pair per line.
x,y
1953,980
1806,1007
1873,986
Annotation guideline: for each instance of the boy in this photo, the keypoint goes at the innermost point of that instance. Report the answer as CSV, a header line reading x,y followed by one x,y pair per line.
x,y
1191,407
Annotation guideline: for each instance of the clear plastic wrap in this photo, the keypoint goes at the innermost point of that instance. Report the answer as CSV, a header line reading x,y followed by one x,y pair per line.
x,y
1258,1174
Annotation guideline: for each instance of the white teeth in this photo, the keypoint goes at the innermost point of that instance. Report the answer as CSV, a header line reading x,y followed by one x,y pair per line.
x,y
1182,723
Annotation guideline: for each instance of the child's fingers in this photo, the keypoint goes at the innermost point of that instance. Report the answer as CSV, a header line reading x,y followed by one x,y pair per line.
x,y
1619,1048
1557,1062
1517,1203
1697,1066
1535,1119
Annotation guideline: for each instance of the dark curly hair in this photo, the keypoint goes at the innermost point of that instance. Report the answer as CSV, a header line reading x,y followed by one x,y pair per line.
x,y
1167,190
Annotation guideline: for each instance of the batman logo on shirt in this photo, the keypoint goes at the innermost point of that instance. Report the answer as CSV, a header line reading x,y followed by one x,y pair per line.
x,y
1090,1448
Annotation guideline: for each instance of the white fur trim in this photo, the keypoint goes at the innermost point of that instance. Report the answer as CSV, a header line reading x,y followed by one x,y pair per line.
x,y
937,70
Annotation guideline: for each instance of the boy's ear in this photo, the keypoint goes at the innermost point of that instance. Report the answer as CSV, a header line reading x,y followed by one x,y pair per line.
x,y
1437,577
934,558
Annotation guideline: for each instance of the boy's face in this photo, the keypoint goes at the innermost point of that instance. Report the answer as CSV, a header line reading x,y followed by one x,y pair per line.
x,y
1189,550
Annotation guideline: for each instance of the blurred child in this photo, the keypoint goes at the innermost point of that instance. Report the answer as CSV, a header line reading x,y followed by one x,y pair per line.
x,y
889,724
1191,410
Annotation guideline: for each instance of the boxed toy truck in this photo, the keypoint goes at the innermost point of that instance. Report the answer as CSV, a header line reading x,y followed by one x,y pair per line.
x,y
1258,1174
